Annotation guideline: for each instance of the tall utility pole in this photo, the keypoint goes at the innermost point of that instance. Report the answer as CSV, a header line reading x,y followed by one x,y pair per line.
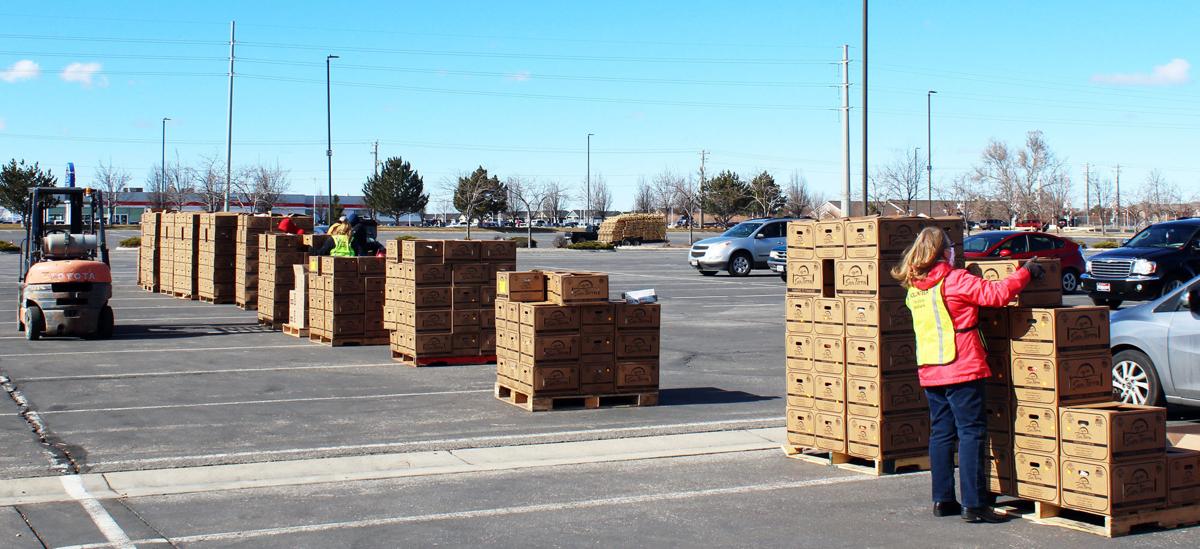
x,y
864,108
845,129
1087,194
229,121
329,138
700,194
588,178
375,151
1120,226
929,147
163,179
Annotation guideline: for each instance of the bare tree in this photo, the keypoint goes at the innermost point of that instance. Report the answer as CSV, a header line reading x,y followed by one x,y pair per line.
x,y
1158,199
178,185
601,198
686,195
555,200
996,174
210,183
1102,189
643,199
528,194
902,180
664,195
798,199
113,181
972,201
259,187
1044,184
766,198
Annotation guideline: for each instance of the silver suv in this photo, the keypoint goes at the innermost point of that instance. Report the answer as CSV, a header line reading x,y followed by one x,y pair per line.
x,y
742,248
1155,353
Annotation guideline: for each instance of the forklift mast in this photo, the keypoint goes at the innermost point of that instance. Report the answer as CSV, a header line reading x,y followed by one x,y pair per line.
x,y
78,236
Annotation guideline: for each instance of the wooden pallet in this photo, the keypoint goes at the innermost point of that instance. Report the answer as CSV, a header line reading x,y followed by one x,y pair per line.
x,y
876,467
245,306
273,324
410,360
216,300
523,400
342,341
152,288
295,332
1123,524
185,295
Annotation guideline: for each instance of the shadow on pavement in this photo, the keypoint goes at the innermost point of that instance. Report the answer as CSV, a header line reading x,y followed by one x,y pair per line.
x,y
706,395
199,329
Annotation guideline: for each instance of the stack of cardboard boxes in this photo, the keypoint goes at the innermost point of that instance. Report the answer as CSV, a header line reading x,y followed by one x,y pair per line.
x,y
277,253
166,253
558,335
185,234
216,258
851,354
440,297
245,277
345,301
148,252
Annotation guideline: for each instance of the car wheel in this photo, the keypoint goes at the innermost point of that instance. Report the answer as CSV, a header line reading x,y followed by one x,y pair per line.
x,y
1170,286
709,273
740,264
1070,281
1135,381
35,323
1113,304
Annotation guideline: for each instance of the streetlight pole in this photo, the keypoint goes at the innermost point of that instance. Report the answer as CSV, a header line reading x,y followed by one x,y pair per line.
x,y
163,166
329,140
589,181
929,147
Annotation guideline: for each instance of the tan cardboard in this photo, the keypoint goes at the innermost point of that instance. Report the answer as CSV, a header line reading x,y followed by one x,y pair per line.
x,y
1037,476
1107,488
636,374
1108,430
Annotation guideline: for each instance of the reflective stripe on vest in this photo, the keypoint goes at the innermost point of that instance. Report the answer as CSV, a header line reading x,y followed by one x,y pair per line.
x,y
933,326
341,246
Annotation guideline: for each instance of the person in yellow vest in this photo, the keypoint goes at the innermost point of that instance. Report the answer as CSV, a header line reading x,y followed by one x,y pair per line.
x,y
340,241
952,364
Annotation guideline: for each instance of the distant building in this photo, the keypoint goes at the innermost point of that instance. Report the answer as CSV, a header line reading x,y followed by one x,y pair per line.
x,y
131,205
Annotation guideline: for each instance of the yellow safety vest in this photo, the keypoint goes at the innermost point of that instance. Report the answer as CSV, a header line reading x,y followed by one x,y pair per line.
x,y
933,325
341,246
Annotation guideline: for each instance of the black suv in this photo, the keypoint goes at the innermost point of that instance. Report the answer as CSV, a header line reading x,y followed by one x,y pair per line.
x,y
1154,262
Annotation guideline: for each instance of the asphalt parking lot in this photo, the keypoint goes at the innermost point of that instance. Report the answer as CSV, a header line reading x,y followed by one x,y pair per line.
x,y
186,384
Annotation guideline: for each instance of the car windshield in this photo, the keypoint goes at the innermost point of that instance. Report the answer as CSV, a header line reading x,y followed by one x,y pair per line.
x,y
982,242
742,230
1162,236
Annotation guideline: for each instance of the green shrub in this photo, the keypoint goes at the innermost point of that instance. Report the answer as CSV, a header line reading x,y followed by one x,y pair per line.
x,y
6,246
131,242
523,242
1106,244
591,245
561,241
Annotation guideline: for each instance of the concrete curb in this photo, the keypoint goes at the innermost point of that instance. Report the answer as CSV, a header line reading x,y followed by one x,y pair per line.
x,y
156,482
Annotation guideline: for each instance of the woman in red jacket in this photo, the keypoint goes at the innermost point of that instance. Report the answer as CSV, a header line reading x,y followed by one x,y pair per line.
x,y
952,363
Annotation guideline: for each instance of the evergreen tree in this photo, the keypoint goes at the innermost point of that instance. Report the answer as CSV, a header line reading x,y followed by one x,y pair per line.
x,y
478,195
397,190
725,196
16,179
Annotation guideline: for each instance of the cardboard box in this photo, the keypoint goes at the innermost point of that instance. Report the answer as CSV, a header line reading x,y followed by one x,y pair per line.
x,y
597,339
831,239
993,322
494,251
801,427
465,295
867,317
422,251
830,432
829,316
829,393
883,397
1183,476
867,277
1035,428
999,412
1048,331
799,312
427,297
394,251
1000,269
634,375
1064,378
1037,476
469,273
454,251
903,434
637,344
603,314
871,358
1108,488
1109,430
426,274
640,316
596,370
868,237
829,355
799,346
801,238
566,288
549,317
810,276
521,286
800,389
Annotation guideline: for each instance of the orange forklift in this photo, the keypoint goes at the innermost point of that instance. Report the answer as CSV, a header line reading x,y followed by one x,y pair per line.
x,y
65,281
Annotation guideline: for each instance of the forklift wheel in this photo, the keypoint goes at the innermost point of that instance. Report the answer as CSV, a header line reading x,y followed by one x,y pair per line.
x,y
35,323
104,328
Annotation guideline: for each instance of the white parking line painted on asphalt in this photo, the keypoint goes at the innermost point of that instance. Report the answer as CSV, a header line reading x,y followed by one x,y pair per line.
x,y
264,401
112,532
773,421
133,375
167,320
176,350
669,298
241,535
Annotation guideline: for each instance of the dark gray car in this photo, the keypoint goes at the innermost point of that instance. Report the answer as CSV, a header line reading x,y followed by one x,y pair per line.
x,y
1156,349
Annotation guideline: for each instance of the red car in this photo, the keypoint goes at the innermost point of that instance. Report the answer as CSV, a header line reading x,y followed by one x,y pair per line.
x,y
1024,245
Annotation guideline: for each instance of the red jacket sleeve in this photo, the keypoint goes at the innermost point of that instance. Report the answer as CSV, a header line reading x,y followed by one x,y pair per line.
x,y
983,293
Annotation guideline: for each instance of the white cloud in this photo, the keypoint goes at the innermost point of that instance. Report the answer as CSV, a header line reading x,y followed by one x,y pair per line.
x,y
519,76
83,73
1173,73
21,70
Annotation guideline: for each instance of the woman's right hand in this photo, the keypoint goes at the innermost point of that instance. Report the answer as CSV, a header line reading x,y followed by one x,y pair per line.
x,y
1035,270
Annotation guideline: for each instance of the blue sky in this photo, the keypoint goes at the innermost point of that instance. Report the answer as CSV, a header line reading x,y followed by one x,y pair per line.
x,y
516,86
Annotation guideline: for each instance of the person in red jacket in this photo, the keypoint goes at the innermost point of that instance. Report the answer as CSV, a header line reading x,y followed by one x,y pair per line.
x,y
945,304
286,225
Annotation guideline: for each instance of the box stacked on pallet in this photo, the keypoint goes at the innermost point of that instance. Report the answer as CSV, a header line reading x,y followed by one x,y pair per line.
x,y
217,259
277,253
440,298
1114,459
559,339
345,301
185,282
148,253
298,301
245,277
168,235
851,358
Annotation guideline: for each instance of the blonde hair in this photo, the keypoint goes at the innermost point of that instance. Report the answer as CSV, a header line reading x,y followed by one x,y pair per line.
x,y
339,228
920,256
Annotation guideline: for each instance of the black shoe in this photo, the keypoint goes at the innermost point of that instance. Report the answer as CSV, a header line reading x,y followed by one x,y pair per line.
x,y
946,509
982,514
